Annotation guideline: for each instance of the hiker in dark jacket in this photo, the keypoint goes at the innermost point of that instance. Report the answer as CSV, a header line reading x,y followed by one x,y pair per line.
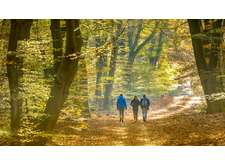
x,y
121,106
145,103
135,104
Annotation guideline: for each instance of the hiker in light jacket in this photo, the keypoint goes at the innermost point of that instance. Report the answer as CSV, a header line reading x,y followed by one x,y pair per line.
x,y
145,103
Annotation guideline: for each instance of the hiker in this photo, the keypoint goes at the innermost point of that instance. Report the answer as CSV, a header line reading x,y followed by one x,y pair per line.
x,y
121,106
135,104
145,103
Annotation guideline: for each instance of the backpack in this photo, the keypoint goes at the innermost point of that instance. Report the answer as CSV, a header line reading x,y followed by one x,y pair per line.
x,y
145,102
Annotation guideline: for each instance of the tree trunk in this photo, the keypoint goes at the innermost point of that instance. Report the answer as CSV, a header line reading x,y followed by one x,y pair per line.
x,y
100,72
116,41
65,74
109,84
20,30
155,58
57,43
101,63
129,69
207,45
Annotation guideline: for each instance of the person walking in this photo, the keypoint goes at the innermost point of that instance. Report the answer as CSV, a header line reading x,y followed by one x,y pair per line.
x,y
145,103
135,104
121,106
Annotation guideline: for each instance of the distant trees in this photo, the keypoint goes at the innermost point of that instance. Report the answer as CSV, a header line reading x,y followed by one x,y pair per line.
x,y
19,30
80,94
208,44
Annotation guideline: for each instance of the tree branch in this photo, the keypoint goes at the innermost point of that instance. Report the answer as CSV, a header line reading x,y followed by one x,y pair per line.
x,y
149,38
139,29
118,32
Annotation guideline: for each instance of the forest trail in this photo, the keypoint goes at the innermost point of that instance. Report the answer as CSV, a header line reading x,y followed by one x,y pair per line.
x,y
176,122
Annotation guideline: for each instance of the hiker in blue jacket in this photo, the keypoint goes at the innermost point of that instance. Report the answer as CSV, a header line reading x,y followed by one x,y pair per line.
x,y
121,106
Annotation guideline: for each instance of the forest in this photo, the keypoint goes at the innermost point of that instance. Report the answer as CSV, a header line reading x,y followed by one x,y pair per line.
x,y
60,80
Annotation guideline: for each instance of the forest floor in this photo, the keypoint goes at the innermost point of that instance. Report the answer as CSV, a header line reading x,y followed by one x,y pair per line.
x,y
172,121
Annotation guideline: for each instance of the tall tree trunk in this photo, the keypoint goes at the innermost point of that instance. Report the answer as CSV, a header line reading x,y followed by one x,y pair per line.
x,y
151,51
100,72
109,84
20,30
57,43
100,66
155,57
65,74
133,34
116,43
207,41
129,69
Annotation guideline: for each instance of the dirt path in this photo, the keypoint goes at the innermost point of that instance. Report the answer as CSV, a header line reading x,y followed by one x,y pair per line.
x,y
176,123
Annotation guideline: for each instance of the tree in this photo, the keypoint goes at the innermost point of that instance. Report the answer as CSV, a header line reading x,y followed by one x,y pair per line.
x,y
207,41
101,65
57,42
154,58
65,74
112,66
134,47
19,30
